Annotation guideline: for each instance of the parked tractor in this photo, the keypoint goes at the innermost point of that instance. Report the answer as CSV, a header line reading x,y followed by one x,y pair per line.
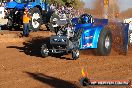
x,y
38,9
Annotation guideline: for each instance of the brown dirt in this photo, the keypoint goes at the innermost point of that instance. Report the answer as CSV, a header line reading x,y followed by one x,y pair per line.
x,y
21,65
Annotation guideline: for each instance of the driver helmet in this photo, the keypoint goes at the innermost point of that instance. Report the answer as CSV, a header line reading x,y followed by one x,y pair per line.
x,y
85,19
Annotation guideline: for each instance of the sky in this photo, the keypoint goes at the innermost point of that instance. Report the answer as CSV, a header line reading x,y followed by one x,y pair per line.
x,y
123,4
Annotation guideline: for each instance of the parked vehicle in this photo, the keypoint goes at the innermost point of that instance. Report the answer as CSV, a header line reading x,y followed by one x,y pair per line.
x,y
129,21
38,9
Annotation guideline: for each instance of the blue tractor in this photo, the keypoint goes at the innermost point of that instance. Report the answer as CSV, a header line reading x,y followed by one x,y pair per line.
x,y
78,34
38,9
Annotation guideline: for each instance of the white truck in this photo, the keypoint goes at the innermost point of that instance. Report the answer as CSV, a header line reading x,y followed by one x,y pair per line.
x,y
2,15
129,20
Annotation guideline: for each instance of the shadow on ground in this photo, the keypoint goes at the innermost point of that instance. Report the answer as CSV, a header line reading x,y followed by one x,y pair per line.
x,y
15,28
33,47
52,81
89,52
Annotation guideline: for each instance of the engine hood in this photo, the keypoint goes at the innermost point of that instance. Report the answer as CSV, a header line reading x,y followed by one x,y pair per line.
x,y
80,26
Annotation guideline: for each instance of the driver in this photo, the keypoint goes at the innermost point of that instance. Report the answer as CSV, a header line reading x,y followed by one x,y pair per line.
x,y
86,19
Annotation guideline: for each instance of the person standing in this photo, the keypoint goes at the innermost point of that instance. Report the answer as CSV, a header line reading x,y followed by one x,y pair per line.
x,y
52,7
26,23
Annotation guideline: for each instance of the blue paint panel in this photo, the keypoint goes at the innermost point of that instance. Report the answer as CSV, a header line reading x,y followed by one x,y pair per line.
x,y
20,6
90,37
102,22
12,4
29,5
87,38
84,26
91,33
98,29
43,6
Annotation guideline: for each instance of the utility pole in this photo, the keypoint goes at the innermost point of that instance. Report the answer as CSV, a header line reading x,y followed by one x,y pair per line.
x,y
106,7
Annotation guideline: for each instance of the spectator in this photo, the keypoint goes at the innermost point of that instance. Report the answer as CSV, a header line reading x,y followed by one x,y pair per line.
x,y
26,24
52,7
62,8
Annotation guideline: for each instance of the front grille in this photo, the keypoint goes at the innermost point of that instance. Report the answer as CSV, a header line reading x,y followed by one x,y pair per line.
x,y
58,40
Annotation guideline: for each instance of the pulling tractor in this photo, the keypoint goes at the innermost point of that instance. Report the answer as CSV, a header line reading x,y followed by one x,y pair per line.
x,y
38,9
79,34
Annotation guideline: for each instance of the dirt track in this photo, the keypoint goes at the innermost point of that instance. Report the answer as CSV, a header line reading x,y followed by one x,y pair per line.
x,y
21,65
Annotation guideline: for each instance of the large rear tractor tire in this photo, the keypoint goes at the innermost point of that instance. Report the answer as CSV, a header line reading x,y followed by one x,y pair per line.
x,y
36,19
104,43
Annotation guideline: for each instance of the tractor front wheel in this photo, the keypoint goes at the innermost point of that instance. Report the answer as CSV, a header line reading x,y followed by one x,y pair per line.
x,y
44,51
75,54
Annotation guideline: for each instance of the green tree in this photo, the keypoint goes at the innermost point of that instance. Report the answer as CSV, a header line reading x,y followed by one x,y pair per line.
x,y
78,4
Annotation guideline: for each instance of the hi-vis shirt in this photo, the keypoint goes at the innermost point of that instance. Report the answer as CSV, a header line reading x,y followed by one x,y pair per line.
x,y
26,18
